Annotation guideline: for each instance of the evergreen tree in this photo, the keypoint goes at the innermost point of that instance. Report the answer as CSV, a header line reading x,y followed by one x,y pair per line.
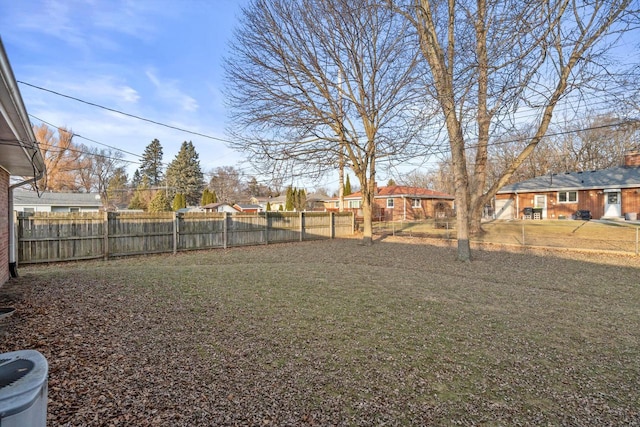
x,y
347,187
184,174
136,179
117,187
151,163
289,203
300,199
207,197
391,183
179,201
136,201
159,203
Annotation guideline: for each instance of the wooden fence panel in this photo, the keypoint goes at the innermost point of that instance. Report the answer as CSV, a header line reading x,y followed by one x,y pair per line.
x,y
52,237
246,229
317,226
135,234
343,224
284,227
200,231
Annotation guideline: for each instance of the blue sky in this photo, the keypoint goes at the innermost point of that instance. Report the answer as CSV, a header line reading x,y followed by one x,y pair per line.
x,y
158,59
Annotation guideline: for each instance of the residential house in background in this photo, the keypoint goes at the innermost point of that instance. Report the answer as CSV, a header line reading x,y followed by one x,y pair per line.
x,y
400,203
32,201
275,203
219,207
20,156
248,208
606,193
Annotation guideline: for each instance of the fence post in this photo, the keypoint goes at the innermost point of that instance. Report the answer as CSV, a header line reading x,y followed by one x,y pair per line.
x,y
637,247
105,232
176,230
332,225
266,227
301,226
225,231
523,233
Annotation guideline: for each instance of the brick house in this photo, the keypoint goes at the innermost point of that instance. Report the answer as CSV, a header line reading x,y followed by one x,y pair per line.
x,y
606,193
19,156
399,203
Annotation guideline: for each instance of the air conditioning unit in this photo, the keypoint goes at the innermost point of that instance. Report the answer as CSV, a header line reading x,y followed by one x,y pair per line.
x,y
23,389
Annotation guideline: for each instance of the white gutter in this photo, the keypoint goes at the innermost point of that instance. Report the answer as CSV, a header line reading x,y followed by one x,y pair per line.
x,y
24,134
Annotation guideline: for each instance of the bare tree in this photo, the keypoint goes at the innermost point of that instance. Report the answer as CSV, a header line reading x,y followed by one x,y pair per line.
x,y
98,168
310,80
491,60
62,159
228,184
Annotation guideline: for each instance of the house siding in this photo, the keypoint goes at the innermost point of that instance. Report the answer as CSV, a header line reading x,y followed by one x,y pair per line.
x,y
403,209
4,226
631,200
591,200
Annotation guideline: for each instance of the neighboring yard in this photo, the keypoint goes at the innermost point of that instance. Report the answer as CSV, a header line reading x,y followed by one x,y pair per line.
x,y
616,236
334,333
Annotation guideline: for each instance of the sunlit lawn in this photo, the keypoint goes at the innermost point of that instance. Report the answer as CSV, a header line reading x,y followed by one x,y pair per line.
x,y
333,332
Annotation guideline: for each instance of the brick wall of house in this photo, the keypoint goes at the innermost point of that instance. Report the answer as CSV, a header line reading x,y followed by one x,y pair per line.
x,y
4,226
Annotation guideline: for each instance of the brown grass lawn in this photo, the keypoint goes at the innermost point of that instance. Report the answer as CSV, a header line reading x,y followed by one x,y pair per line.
x,y
335,333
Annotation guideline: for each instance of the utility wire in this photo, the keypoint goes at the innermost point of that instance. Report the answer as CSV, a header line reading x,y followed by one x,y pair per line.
x,y
93,104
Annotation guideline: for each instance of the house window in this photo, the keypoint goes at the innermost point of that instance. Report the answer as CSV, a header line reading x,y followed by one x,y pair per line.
x,y
567,196
390,203
354,204
416,203
75,210
31,210
336,204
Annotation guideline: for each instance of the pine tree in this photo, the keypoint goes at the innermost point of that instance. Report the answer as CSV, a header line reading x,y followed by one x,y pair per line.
x,y
268,207
159,203
391,183
136,179
136,201
347,187
117,187
151,163
300,199
179,201
289,203
207,197
184,174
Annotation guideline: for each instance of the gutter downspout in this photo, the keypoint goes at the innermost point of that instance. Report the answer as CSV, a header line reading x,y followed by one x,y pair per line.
x,y
13,247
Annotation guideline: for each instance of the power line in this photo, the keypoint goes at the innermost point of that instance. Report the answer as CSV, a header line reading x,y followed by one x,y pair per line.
x,y
89,139
113,110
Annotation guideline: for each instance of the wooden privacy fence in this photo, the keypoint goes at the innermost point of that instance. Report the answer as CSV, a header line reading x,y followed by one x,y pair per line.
x,y
52,237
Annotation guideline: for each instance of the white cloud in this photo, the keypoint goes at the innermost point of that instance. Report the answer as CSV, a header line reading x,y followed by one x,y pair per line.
x,y
169,91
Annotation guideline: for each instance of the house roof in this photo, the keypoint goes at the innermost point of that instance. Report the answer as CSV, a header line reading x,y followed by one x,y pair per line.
x,y
616,177
246,206
19,152
398,191
215,205
24,197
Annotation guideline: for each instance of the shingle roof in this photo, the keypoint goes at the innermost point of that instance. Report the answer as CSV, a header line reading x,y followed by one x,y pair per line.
x,y
402,191
616,177
22,197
